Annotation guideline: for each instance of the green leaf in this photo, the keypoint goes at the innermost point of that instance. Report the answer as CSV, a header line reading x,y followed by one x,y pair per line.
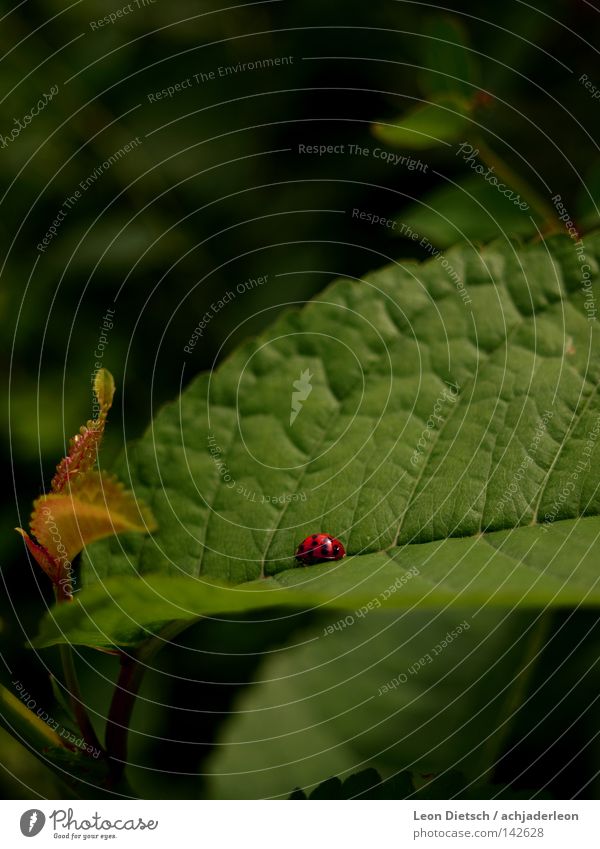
x,y
411,692
472,209
489,490
440,122
449,67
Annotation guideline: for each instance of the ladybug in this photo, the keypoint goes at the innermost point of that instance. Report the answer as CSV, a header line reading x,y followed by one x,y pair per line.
x,y
319,548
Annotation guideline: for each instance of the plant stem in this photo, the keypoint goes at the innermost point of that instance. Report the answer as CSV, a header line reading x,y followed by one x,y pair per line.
x,y
119,716
72,685
506,173
516,695
132,670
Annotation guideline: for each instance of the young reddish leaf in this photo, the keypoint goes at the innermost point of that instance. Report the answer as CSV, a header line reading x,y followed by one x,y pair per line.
x,y
48,564
84,446
96,506
83,505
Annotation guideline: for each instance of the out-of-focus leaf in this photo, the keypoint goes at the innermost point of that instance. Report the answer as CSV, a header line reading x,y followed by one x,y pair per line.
x,y
470,210
587,208
24,722
449,67
368,784
416,692
70,763
428,125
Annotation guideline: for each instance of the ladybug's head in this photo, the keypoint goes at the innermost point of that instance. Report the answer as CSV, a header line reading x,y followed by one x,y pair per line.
x,y
337,549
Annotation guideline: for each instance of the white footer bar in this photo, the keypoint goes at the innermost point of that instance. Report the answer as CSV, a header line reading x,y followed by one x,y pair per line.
x,y
300,824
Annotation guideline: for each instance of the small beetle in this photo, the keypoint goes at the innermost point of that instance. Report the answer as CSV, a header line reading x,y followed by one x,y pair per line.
x,y
319,548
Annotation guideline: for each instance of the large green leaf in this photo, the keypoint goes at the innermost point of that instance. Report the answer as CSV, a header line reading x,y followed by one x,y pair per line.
x,y
527,566
481,487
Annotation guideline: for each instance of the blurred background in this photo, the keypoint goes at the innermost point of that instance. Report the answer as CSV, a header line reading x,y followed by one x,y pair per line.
x,y
177,197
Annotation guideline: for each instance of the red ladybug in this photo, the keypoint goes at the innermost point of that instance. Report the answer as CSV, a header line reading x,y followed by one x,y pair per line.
x,y
320,548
